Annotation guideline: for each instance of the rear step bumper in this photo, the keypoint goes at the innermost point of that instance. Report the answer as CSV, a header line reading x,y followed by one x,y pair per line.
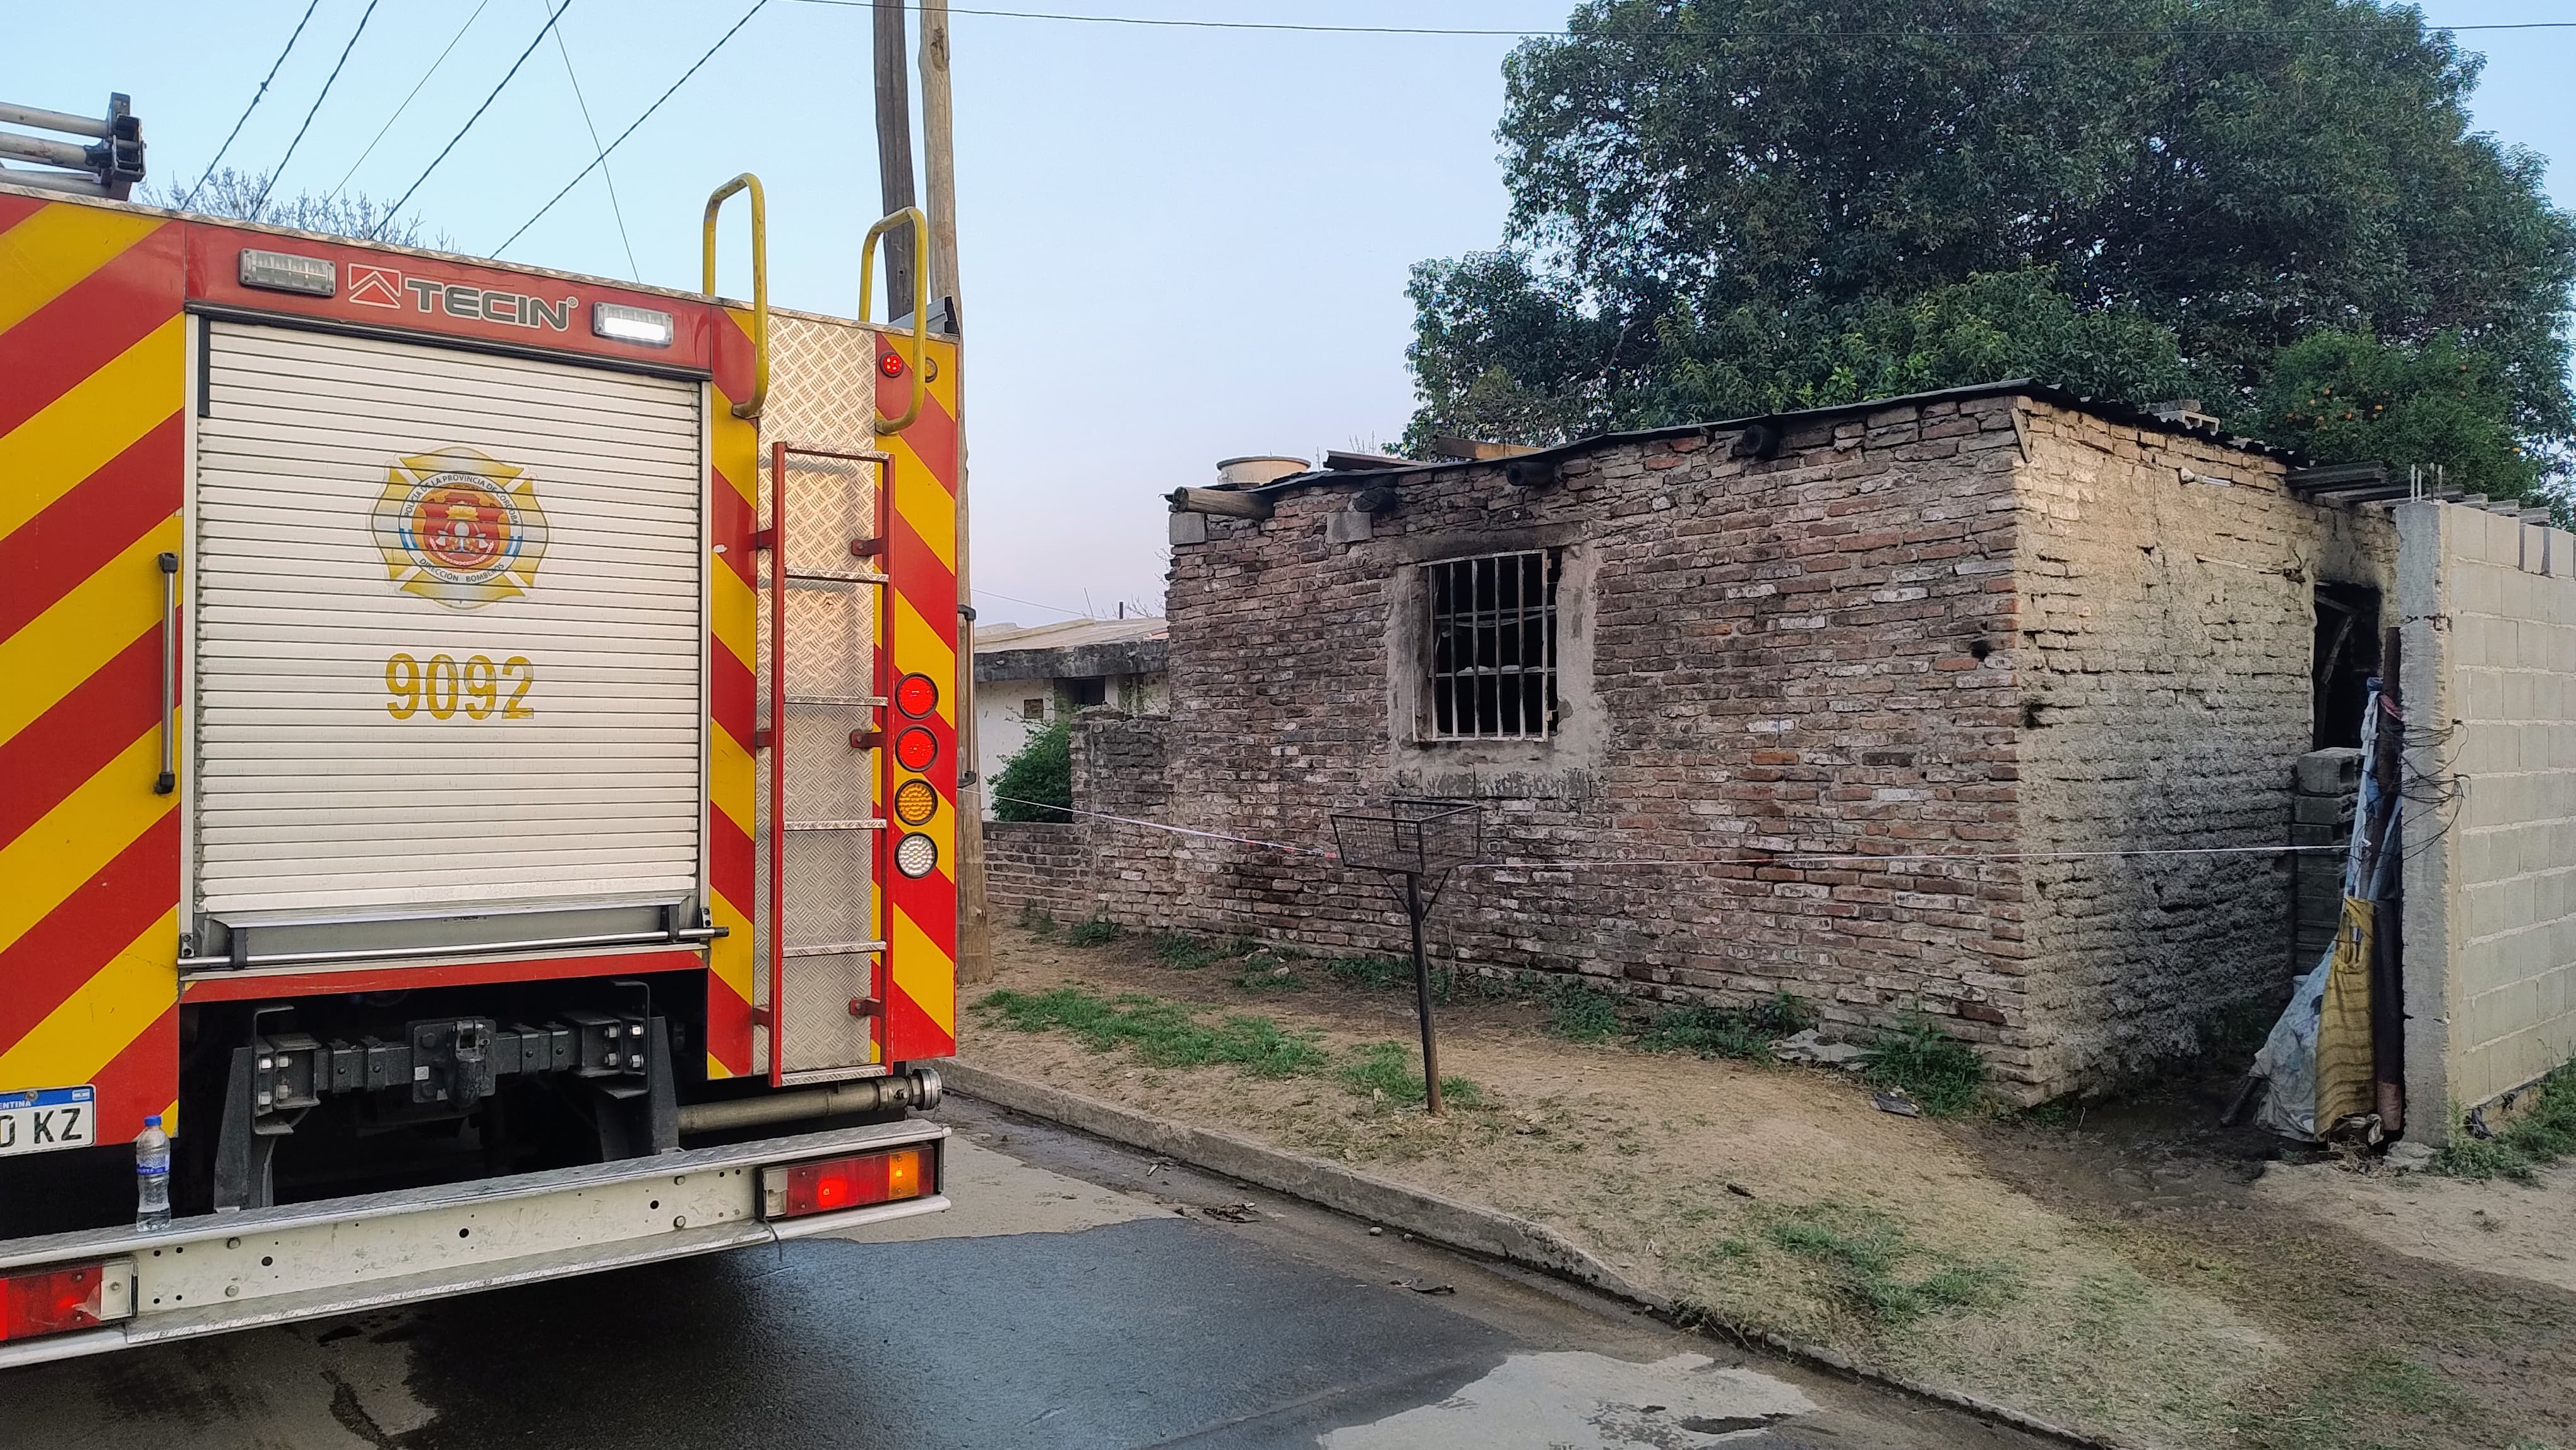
x,y
231,1271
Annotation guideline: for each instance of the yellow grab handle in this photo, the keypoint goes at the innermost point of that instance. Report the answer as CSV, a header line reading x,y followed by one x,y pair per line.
x,y
759,283
920,302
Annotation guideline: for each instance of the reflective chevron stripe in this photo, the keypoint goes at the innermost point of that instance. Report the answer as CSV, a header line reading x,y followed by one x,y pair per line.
x,y
93,361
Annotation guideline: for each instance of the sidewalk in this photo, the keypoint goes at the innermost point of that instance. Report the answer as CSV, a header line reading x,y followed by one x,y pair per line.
x,y
2133,1276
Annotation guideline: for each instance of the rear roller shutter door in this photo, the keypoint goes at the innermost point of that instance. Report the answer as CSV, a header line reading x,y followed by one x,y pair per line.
x,y
449,633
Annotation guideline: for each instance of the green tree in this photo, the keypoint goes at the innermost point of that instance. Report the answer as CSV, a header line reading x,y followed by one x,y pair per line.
x,y
2347,397
1728,206
1036,784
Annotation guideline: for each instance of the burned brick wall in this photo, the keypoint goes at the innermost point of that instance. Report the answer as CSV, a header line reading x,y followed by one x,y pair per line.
x,y
1815,713
2167,587
1806,655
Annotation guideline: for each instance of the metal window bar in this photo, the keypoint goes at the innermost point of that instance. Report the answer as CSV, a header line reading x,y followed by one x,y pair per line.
x,y
1493,647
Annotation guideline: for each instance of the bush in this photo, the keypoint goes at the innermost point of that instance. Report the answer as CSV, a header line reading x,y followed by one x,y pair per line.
x,y
1036,784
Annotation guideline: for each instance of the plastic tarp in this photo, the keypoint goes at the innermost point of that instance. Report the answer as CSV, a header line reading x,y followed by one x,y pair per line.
x,y
2316,1064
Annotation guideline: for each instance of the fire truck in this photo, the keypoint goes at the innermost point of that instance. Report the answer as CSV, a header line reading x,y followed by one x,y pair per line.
x,y
478,765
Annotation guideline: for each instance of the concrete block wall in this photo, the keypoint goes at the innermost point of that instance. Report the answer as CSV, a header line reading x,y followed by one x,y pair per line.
x,y
2489,673
2168,620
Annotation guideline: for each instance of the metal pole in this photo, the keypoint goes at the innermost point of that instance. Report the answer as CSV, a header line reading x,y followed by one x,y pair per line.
x,y
1422,996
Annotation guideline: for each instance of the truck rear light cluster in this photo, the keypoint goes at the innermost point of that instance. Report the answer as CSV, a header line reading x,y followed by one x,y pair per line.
x,y
66,1297
834,1184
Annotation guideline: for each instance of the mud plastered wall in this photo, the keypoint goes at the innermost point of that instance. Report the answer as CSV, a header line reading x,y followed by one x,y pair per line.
x,y
2168,620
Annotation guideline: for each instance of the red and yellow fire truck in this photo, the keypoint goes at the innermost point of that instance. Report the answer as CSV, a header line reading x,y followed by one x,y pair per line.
x,y
478,763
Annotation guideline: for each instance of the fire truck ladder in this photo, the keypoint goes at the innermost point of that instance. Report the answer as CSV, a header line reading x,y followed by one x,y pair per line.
x,y
827,838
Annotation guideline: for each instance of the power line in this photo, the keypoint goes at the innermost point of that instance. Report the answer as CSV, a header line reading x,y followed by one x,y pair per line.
x,y
246,110
614,209
407,100
1307,28
315,109
602,159
1033,604
396,208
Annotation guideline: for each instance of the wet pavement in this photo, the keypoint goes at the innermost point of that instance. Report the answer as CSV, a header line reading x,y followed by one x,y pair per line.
x,y
1080,1295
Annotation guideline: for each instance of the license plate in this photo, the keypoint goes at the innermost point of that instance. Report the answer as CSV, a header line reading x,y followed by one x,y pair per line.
x,y
43,1119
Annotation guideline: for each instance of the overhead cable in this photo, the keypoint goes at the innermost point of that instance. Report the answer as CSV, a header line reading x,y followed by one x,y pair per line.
x,y
246,110
614,209
1031,603
1754,856
315,109
1310,28
381,131
602,158
396,208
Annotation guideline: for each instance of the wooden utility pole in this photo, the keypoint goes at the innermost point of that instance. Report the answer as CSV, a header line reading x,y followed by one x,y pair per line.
x,y
894,153
974,934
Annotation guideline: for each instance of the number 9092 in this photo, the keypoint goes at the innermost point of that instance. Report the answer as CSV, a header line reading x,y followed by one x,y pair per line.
x,y
442,687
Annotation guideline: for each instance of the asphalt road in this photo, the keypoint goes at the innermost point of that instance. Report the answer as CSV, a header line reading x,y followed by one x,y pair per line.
x,y
1080,1295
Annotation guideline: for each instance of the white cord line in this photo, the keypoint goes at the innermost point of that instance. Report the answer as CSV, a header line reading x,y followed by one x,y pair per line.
x,y
1175,830
1767,859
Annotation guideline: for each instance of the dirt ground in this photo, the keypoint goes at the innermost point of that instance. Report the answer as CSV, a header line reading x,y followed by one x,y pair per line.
x,y
2125,1269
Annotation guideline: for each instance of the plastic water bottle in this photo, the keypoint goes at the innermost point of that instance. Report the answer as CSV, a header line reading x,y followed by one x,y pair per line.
x,y
152,1177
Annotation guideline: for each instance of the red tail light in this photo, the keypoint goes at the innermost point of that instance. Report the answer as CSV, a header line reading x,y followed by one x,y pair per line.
x,y
838,1183
51,1301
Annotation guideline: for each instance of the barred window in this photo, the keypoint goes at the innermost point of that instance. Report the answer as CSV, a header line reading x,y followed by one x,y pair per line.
x,y
1493,647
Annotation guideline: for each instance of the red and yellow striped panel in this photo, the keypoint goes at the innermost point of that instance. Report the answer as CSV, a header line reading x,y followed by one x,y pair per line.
x,y
919,628
733,656
92,449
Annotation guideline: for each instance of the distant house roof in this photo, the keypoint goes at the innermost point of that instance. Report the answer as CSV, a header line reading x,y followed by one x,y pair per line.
x,y
1074,649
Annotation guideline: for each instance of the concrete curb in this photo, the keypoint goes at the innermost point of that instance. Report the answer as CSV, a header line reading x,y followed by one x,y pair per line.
x,y
1467,1226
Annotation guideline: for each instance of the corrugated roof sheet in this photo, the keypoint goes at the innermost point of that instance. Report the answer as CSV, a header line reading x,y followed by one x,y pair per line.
x,y
1068,634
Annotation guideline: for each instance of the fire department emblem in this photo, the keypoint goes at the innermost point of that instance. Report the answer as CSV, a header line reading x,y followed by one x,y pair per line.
x,y
460,528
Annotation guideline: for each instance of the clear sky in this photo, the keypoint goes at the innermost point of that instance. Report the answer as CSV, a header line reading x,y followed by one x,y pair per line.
x,y
1177,243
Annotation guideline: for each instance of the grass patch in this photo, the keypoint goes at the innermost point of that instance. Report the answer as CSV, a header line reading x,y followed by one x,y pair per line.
x,y
1389,1069
1863,1254
1941,1073
1161,1033
1725,1031
1580,1012
1186,953
1093,933
1261,978
2353,1409
2543,1132
1370,974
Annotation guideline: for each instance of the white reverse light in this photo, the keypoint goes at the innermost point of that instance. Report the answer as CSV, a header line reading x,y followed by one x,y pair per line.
x,y
621,323
287,272
916,856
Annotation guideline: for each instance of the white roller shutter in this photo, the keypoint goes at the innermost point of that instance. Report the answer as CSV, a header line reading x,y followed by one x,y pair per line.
x,y
344,527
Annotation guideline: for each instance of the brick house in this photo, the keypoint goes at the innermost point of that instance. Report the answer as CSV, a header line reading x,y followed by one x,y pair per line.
x,y
1855,703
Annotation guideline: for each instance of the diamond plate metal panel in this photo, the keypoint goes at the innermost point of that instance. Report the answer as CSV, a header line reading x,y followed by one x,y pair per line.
x,y
823,380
